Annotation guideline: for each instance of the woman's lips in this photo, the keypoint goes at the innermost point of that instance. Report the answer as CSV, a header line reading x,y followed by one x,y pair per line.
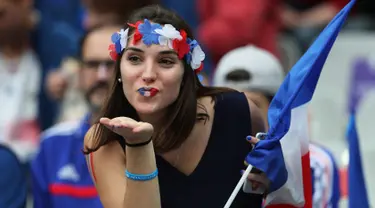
x,y
148,91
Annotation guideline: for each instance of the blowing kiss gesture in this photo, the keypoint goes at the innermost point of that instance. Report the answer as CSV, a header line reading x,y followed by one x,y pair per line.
x,y
132,131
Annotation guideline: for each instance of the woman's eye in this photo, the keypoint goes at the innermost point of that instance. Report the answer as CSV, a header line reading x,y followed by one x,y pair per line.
x,y
166,62
134,59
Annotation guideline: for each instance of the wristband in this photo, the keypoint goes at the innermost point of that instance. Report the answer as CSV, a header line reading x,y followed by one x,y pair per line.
x,y
141,177
138,144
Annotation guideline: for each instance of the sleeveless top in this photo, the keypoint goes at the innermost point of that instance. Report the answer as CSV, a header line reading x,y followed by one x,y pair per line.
x,y
218,172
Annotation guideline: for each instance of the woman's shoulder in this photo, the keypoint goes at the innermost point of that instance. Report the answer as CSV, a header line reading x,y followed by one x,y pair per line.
x,y
240,106
232,99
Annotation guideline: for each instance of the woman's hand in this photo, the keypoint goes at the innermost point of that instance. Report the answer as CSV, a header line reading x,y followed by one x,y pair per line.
x,y
257,178
132,131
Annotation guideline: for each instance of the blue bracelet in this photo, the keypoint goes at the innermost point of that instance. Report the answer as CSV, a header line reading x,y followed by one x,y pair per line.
x,y
141,177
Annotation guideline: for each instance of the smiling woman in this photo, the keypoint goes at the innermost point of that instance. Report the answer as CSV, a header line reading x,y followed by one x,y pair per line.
x,y
157,113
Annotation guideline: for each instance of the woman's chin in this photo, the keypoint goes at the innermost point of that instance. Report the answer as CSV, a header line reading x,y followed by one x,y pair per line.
x,y
146,108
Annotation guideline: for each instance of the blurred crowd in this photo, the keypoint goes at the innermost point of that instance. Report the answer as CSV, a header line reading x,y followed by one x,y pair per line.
x,y
53,54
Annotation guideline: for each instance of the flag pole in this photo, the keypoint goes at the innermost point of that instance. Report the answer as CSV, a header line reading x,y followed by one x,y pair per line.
x,y
238,186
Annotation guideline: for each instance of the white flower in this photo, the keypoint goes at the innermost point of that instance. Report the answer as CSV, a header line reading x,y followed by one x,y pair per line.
x,y
169,31
123,38
165,41
197,56
167,34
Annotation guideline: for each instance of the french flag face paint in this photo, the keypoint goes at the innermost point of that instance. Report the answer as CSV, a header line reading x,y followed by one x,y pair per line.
x,y
148,92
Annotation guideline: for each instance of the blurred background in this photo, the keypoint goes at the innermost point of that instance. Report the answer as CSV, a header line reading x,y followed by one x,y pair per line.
x,y
40,61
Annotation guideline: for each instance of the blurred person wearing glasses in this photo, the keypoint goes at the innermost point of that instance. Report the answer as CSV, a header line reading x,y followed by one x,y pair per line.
x,y
60,174
61,84
63,23
259,74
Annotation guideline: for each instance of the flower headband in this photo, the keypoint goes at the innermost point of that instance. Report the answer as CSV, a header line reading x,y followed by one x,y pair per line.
x,y
153,33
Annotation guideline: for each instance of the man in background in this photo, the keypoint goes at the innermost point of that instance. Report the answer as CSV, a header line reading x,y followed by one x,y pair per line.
x,y
60,175
20,75
57,42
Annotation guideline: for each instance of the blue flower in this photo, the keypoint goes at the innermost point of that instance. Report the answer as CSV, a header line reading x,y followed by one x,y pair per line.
x,y
148,32
201,78
115,37
192,43
188,57
118,47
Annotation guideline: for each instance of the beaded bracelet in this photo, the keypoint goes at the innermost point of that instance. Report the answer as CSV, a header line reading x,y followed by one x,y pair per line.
x,y
141,177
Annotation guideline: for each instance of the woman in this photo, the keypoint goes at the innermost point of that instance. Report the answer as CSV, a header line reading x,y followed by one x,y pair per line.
x,y
198,133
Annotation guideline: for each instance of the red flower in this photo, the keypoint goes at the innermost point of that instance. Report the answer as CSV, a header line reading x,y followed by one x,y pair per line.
x,y
199,69
113,53
181,46
112,47
137,35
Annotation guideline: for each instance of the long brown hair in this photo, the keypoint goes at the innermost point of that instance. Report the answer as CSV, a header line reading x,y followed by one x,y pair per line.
x,y
181,115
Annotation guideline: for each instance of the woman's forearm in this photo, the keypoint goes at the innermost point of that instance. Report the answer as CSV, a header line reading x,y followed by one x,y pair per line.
x,y
141,194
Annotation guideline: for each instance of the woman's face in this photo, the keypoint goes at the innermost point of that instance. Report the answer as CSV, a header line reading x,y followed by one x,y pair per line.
x,y
151,76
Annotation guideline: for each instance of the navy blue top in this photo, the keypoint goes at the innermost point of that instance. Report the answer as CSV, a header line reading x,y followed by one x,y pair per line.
x,y
218,172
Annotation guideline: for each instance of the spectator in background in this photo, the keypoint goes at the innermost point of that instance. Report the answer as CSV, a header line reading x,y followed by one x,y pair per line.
x,y
19,78
13,185
60,174
63,23
101,12
305,19
325,175
253,70
56,38
259,74
62,84
226,25
188,10
362,17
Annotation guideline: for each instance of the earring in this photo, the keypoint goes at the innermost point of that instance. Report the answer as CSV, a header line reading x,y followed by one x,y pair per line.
x,y
119,80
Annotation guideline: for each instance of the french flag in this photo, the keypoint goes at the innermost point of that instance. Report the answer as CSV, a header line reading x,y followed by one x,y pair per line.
x,y
356,180
284,155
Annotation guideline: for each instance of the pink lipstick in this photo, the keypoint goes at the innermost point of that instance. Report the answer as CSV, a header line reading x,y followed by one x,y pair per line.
x,y
148,91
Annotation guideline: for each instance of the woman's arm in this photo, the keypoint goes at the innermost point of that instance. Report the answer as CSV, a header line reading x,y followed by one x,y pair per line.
x,y
107,167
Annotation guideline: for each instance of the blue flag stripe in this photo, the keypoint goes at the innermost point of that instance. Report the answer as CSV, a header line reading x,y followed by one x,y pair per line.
x,y
357,185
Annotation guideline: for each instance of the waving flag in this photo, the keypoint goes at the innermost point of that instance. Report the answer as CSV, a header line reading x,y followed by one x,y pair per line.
x,y
357,185
363,79
284,155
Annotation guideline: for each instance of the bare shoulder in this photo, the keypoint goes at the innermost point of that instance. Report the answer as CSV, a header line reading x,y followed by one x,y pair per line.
x,y
257,121
107,167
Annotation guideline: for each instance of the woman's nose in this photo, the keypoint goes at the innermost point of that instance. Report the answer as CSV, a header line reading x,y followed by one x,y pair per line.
x,y
149,74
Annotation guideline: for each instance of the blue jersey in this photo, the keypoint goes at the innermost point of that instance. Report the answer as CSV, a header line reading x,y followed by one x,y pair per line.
x,y
61,178
325,176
